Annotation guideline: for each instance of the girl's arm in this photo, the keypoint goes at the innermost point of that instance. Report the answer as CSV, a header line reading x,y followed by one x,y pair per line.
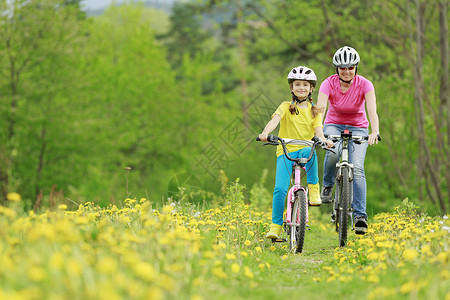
x,y
319,133
371,103
270,127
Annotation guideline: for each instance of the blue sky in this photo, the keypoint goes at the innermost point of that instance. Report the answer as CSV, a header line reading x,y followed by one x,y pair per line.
x,y
96,4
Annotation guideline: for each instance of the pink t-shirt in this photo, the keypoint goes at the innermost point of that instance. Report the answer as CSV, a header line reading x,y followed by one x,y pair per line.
x,y
346,108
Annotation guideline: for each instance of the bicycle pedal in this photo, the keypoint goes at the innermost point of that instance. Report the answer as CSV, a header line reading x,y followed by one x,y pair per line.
x,y
278,240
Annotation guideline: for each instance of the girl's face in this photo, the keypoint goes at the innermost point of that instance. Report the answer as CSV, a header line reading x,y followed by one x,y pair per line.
x,y
301,88
347,74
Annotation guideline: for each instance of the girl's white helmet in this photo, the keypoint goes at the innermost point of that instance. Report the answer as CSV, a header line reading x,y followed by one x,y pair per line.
x,y
302,73
345,57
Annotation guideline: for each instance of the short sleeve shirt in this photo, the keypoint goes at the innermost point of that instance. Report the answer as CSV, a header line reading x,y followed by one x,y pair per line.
x,y
296,126
346,108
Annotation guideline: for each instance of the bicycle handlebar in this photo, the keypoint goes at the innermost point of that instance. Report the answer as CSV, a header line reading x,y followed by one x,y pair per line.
x,y
350,136
275,141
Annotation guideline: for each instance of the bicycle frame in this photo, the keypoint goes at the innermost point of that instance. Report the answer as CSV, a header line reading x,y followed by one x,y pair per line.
x,y
297,186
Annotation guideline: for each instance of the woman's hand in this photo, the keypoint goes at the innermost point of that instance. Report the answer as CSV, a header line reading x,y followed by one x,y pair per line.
x,y
263,137
373,138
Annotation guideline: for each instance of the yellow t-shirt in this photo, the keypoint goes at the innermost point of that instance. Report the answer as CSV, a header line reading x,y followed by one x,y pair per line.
x,y
293,126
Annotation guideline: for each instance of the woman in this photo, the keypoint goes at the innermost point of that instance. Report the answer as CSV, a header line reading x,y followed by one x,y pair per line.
x,y
348,95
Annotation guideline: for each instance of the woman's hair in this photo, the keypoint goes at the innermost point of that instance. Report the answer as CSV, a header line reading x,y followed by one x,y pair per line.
x,y
293,107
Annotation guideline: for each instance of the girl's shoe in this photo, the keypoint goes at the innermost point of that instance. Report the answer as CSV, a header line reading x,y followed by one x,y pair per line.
x,y
274,232
314,194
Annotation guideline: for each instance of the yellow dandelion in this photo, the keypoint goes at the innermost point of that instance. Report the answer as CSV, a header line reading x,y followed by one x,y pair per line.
x,y
13,197
36,274
262,266
62,207
251,233
230,256
235,268
248,272
247,243
408,287
373,278
272,248
410,254
258,250
218,271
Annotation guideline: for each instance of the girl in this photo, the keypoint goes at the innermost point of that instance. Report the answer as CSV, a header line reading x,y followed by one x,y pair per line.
x,y
299,119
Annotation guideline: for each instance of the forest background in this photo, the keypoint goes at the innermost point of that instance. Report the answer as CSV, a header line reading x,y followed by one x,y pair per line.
x,y
137,101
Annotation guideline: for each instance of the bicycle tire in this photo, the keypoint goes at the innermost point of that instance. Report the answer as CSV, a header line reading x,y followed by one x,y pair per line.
x,y
298,217
343,207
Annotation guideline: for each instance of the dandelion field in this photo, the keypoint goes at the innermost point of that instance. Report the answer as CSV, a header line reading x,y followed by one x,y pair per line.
x,y
181,251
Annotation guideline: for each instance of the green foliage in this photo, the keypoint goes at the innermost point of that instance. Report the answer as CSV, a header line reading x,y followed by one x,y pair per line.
x,y
260,196
183,96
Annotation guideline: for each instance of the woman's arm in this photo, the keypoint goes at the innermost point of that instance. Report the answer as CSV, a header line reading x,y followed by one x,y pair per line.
x,y
270,127
322,102
371,103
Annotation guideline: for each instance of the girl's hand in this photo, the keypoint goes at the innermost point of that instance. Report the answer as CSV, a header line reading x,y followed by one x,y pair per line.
x,y
329,143
373,138
263,137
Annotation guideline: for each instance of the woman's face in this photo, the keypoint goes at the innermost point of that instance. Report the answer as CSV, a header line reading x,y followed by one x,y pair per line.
x,y
347,74
301,88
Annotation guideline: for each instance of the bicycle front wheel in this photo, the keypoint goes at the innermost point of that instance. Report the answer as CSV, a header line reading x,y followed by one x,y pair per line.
x,y
344,201
298,227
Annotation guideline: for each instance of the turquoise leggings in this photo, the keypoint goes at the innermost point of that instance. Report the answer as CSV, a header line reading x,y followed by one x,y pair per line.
x,y
282,180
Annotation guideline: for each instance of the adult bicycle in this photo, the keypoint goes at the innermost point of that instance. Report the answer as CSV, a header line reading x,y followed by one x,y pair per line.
x,y
296,220
343,196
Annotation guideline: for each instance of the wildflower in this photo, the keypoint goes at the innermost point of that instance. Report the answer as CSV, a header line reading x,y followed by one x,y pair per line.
x,y
36,273
272,248
62,207
247,243
235,268
218,271
258,250
251,233
248,272
410,254
145,271
13,197
230,256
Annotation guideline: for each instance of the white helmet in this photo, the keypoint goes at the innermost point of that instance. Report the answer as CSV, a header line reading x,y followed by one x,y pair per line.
x,y
302,73
345,57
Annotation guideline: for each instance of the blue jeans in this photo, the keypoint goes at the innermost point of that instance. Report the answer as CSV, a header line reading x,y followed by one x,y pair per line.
x,y
356,156
283,176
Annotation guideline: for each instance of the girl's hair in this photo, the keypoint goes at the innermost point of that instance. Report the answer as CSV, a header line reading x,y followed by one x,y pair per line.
x,y
293,107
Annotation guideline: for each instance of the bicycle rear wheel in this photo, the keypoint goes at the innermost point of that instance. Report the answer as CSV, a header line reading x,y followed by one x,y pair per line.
x,y
299,208
343,207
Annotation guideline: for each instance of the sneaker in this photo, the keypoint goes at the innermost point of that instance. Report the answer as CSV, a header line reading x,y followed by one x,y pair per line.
x,y
314,197
326,194
274,232
360,225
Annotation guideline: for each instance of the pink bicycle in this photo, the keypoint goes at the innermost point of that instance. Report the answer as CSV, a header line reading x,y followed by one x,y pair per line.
x,y
297,205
